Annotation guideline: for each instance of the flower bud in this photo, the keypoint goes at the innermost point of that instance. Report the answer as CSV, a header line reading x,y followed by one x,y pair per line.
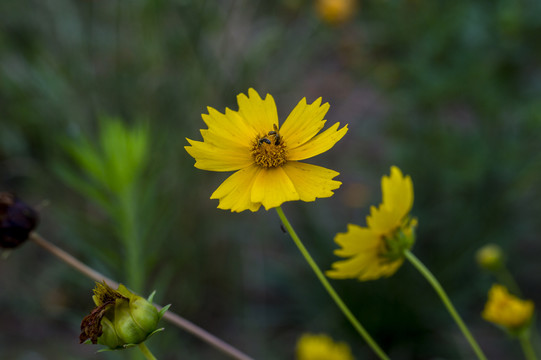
x,y
120,319
17,220
490,257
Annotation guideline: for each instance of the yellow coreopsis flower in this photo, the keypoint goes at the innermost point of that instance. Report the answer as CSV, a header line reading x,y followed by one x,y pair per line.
x,y
322,347
507,310
336,11
266,155
378,250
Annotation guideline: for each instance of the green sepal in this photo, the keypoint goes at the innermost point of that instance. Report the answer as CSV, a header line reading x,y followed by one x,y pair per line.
x,y
154,332
400,240
151,297
163,310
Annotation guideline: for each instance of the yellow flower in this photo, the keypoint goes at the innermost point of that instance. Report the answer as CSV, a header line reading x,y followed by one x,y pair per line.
x,y
336,11
322,347
265,155
507,310
378,250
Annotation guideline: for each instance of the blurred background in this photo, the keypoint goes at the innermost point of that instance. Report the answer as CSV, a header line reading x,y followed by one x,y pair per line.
x,y
448,91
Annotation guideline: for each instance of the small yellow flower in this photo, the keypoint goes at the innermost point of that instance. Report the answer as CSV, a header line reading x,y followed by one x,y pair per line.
x,y
507,310
322,347
336,11
266,155
378,250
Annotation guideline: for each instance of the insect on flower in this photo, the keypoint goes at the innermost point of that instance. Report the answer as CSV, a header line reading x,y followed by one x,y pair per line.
x,y
266,156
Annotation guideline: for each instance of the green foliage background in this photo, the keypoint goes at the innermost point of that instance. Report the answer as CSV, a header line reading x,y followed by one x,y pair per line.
x,y
448,91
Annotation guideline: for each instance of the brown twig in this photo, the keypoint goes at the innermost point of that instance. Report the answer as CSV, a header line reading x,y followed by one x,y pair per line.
x,y
169,315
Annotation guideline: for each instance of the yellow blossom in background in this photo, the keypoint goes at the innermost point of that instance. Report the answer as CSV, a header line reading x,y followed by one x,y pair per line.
x,y
266,155
507,310
336,11
322,347
377,250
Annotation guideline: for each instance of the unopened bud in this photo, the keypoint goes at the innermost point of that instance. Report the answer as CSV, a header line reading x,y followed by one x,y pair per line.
x,y
120,319
490,257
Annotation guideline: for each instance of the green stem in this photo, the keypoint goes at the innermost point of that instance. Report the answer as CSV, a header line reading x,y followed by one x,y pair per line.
x,y
144,349
356,324
505,277
527,348
135,269
436,285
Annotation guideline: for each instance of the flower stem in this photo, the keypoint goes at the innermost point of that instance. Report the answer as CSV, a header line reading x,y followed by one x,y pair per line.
x,y
170,316
443,296
504,276
131,239
529,353
145,350
356,324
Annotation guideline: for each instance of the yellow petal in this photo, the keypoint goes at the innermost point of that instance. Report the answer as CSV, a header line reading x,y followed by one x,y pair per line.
x,y
260,114
397,192
353,267
209,157
311,181
507,310
304,122
364,266
273,187
318,144
230,129
356,240
235,192
383,220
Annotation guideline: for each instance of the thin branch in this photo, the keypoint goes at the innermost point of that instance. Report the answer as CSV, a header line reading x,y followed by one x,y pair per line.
x,y
169,315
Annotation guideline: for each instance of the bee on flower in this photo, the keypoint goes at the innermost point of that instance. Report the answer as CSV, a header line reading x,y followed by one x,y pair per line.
x,y
266,156
378,250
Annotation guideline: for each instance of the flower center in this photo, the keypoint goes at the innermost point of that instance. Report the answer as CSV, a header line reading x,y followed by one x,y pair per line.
x,y
269,150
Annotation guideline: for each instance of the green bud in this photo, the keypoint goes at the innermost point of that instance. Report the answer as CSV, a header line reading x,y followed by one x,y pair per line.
x,y
121,318
109,336
490,257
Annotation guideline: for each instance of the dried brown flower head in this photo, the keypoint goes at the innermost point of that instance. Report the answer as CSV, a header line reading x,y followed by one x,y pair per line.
x,y
17,220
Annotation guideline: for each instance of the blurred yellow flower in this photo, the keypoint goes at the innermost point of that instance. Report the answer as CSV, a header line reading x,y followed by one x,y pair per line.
x,y
378,250
265,155
336,11
507,310
322,347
